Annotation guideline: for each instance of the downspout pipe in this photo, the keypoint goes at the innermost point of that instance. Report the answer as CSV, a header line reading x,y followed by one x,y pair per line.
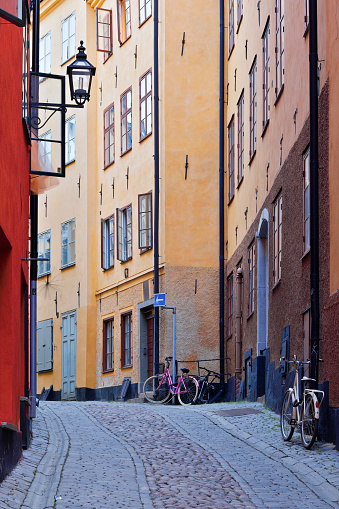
x,y
238,331
222,195
34,226
156,180
314,201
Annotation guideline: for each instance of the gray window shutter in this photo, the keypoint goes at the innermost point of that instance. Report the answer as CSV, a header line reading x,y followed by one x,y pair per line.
x,y
40,342
45,345
49,345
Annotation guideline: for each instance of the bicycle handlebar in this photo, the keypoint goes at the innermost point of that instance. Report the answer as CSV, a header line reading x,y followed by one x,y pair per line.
x,y
210,371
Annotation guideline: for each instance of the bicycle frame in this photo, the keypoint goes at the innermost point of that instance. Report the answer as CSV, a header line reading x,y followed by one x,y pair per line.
x,y
173,388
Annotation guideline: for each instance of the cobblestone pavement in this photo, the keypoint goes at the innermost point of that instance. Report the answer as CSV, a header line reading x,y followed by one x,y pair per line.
x,y
99,455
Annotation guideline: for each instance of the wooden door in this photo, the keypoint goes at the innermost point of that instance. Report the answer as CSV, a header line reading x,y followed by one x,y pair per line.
x,y
68,355
150,344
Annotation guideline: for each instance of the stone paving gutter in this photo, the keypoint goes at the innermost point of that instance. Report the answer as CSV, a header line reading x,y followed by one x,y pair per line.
x,y
115,455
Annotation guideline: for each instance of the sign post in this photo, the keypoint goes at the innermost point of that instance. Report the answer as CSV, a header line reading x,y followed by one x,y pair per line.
x,y
160,301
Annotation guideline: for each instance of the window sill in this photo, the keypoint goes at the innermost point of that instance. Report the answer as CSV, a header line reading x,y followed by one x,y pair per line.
x,y
129,366
66,61
70,162
44,274
124,261
110,164
307,29
265,128
240,182
67,266
239,23
279,94
230,201
276,285
229,337
145,137
123,42
250,315
252,157
107,371
126,152
230,53
142,24
145,249
109,56
107,268
306,253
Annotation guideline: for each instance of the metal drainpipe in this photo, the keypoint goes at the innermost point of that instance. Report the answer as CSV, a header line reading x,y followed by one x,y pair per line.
x,y
238,320
34,227
314,204
221,195
156,182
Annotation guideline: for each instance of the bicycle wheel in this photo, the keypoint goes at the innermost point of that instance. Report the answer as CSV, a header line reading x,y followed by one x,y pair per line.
x,y
156,389
286,414
188,391
309,424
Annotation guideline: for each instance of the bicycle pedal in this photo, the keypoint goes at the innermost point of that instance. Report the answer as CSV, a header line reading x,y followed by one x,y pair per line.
x,y
293,422
297,402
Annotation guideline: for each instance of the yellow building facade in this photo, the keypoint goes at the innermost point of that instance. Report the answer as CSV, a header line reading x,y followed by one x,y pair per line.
x,y
97,293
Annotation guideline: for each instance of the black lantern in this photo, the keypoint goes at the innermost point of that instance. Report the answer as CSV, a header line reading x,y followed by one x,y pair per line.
x,y
80,74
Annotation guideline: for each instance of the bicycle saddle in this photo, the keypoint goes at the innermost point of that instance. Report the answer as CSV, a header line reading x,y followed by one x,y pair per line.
x,y
185,370
306,379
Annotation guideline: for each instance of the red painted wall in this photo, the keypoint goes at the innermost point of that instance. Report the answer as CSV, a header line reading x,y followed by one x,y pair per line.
x,y
14,201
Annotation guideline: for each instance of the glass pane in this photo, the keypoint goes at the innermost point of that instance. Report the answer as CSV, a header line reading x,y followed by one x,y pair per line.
x,y
123,104
123,126
148,8
129,99
142,87
72,231
72,252
307,203
106,117
111,115
123,143
149,123
149,82
142,14
72,25
143,110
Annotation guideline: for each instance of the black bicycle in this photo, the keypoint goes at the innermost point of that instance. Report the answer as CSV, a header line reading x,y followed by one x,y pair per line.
x,y
207,390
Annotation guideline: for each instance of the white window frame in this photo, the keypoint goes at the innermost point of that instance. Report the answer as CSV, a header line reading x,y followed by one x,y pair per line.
x,y
124,232
145,90
277,239
145,10
266,74
107,243
306,201
145,222
44,267
253,109
70,140
68,41
68,227
279,46
45,54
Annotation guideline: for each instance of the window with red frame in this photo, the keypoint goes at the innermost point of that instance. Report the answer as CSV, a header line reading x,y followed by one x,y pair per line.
x,y
126,121
145,10
279,46
231,159
145,89
306,180
266,76
253,108
109,135
239,11
124,219
277,232
124,20
231,26
108,345
107,243
251,265
241,138
145,222
126,340
104,32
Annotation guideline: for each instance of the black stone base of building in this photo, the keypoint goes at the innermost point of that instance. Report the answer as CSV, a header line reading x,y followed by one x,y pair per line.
x,y
10,451
102,394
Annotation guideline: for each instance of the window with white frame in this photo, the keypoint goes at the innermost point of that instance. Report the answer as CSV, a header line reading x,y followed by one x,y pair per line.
x,y
68,38
104,32
107,243
124,20
241,138
307,14
68,243
109,135
145,10
126,121
45,151
253,108
70,140
277,232
306,180
44,251
231,159
124,218
279,46
145,105
145,221
239,11
231,25
45,54
266,76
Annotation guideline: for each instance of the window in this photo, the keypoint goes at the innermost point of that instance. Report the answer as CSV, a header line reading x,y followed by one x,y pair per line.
x,y
230,305
68,38
25,67
231,159
44,251
126,340
126,121
307,340
241,138
145,10
307,14
124,217
231,26
70,140
45,345
248,372
108,345
277,230
251,264
68,243
104,32
306,179
109,135
266,77
145,105
239,11
145,222
124,20
45,151
107,243
45,54
279,46
253,109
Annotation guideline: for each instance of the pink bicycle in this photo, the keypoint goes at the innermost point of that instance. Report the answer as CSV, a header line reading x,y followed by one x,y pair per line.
x,y
158,388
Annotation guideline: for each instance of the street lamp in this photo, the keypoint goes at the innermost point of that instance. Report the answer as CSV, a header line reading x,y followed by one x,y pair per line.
x,y
80,74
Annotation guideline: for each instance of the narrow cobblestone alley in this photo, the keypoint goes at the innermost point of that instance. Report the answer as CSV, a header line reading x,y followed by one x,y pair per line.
x,y
98,455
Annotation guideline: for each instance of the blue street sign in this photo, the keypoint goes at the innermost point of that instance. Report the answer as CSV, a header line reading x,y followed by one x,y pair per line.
x,y
159,299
